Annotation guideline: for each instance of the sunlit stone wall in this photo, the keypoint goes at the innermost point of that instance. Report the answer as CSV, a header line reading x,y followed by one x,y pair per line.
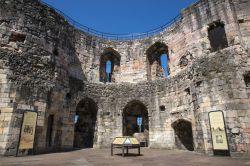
x,y
49,66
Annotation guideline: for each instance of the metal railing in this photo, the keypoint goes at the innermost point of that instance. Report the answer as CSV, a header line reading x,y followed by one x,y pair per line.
x,y
110,36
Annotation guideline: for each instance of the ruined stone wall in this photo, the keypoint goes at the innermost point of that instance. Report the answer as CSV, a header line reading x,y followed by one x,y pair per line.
x,y
7,96
241,14
48,66
30,45
187,36
206,86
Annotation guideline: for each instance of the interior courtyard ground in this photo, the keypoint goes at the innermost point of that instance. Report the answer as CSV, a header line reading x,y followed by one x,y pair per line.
x,y
149,157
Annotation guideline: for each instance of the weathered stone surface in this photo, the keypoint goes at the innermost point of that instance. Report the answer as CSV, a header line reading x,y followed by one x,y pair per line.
x,y
49,66
235,131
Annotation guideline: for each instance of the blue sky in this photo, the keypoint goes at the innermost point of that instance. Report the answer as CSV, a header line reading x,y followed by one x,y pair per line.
x,y
121,16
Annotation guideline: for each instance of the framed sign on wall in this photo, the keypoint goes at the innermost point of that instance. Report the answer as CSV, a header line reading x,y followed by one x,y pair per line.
x,y
218,133
28,129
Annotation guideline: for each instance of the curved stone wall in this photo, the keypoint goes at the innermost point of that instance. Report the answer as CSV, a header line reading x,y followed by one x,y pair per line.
x,y
49,66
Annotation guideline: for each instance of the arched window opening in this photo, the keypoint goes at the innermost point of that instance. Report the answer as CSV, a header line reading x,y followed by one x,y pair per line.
x,y
217,36
109,65
157,61
108,70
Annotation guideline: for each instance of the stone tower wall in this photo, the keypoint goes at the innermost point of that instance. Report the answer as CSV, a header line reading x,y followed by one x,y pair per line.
x,y
49,66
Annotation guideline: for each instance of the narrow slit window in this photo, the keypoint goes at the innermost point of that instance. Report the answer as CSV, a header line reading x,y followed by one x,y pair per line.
x,y
164,64
157,61
108,70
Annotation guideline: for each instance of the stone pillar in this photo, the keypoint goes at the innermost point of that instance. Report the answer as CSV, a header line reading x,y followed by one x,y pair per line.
x,y
8,122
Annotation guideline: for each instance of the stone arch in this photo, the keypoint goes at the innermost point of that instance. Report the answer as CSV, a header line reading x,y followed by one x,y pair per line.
x,y
131,112
79,96
146,103
154,66
183,134
85,123
109,54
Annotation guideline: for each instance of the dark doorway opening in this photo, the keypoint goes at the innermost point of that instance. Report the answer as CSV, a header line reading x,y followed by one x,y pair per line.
x,y
135,121
85,124
49,130
183,135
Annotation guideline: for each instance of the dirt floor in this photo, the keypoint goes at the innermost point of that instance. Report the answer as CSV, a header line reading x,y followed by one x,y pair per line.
x,y
102,157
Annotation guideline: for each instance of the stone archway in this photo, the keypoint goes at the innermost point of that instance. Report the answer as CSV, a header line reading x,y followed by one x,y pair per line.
x,y
132,111
85,123
183,134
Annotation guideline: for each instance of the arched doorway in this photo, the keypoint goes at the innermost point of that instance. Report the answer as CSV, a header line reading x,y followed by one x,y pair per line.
x,y
183,134
85,123
133,113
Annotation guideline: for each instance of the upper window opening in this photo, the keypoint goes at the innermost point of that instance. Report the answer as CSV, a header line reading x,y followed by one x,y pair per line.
x,y
109,65
217,36
158,61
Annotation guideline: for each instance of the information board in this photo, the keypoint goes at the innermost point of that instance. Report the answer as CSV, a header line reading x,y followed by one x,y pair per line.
x,y
125,140
134,141
218,132
28,130
119,140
